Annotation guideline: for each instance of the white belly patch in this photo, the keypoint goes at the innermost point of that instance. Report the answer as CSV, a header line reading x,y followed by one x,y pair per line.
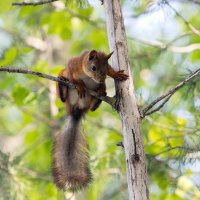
x,y
75,100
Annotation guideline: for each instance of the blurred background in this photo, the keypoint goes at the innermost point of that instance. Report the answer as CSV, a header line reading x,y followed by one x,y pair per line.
x,y
164,48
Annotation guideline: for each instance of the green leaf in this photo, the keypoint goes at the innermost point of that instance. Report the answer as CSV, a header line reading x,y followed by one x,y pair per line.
x,y
86,12
27,10
59,23
75,3
56,69
5,5
9,56
19,94
26,50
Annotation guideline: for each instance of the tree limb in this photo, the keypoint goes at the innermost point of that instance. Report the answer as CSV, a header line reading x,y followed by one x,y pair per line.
x,y
107,99
160,106
130,117
185,49
32,3
167,95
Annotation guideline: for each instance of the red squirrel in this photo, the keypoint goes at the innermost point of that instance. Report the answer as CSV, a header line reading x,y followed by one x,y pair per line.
x,y
70,150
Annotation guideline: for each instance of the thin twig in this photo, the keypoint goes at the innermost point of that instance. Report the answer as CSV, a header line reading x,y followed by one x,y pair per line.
x,y
168,94
190,26
159,107
109,100
32,3
24,71
120,144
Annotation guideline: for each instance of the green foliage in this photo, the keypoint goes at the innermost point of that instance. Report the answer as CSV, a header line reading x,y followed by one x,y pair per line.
x,y
4,7
44,38
59,23
9,56
19,94
75,3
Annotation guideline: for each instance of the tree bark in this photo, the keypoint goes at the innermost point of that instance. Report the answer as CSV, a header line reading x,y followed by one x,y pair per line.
x,y
128,110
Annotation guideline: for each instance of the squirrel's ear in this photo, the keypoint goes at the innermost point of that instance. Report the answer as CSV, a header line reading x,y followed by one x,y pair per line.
x,y
109,55
92,55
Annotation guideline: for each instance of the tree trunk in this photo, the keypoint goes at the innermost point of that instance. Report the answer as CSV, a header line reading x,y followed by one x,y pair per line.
x,y
128,110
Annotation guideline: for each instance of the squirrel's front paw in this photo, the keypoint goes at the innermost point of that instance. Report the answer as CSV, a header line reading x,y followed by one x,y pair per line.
x,y
116,105
62,78
121,76
62,88
81,90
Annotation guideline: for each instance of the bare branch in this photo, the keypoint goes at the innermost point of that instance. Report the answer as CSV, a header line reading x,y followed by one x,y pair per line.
x,y
167,95
185,49
190,26
179,37
155,43
24,71
120,144
109,100
33,3
159,107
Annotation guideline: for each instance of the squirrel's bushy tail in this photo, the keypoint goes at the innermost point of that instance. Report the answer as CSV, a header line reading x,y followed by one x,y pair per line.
x,y
70,155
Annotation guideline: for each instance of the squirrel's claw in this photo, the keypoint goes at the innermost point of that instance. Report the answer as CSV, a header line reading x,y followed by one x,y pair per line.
x,y
81,91
116,105
121,76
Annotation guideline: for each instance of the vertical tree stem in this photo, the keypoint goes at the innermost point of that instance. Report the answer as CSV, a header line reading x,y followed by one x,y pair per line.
x,y
129,114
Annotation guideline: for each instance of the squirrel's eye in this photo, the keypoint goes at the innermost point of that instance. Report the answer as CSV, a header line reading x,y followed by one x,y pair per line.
x,y
93,68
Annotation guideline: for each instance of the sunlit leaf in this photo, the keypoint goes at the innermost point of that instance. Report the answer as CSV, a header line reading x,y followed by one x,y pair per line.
x,y
5,5
9,56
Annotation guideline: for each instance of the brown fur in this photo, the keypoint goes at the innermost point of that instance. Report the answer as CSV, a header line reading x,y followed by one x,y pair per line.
x,y
70,150
70,157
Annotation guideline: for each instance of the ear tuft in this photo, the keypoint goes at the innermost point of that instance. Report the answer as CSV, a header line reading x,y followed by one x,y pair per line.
x,y
92,55
109,55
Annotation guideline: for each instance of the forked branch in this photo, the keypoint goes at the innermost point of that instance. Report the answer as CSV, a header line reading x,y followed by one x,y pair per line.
x,y
190,26
165,97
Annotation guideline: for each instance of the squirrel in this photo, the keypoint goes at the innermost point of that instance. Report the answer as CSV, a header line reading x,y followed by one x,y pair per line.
x,y
70,150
